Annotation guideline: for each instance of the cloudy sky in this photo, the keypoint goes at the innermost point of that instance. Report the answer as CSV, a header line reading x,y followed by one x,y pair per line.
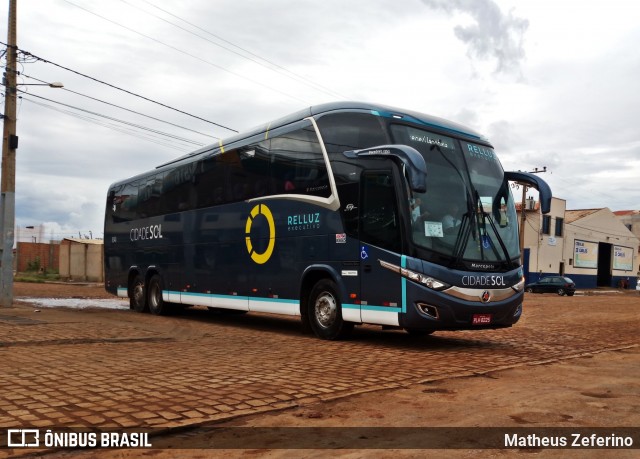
x,y
551,83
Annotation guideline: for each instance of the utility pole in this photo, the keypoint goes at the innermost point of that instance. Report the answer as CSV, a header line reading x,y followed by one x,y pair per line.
x,y
9,146
523,216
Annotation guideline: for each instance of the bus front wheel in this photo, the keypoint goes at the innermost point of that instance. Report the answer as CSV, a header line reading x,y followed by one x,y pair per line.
x,y
138,299
157,305
325,312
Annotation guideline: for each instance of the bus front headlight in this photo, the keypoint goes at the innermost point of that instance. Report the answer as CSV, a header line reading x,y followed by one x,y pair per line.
x,y
413,276
519,286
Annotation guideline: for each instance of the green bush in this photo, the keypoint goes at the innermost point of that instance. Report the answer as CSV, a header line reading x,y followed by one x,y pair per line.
x,y
33,265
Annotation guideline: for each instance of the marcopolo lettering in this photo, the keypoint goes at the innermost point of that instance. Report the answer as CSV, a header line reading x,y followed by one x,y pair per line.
x,y
483,281
146,232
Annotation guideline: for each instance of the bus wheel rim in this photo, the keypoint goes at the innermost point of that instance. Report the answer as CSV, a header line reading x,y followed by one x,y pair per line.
x,y
138,292
326,310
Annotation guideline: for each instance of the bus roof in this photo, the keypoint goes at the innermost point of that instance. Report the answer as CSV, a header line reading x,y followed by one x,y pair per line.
x,y
429,121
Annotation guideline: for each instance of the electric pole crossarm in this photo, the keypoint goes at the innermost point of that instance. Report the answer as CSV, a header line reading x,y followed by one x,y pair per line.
x,y
528,178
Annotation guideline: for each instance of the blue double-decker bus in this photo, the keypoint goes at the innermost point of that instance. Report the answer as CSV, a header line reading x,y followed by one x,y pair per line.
x,y
341,214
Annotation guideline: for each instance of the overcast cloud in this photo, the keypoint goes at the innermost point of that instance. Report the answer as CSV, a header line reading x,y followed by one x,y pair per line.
x,y
551,83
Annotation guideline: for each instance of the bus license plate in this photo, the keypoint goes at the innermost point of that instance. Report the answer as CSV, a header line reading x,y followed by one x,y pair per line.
x,y
481,319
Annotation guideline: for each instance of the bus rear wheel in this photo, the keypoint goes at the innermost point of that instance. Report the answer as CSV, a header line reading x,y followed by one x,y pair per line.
x,y
138,299
157,305
325,312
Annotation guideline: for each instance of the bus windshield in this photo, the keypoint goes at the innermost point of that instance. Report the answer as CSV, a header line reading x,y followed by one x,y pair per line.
x,y
467,212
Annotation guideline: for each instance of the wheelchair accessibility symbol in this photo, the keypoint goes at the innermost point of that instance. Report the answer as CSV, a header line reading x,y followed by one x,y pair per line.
x,y
486,242
364,253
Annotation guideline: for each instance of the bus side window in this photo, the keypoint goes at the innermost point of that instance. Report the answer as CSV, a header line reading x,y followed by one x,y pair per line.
x,y
209,182
297,163
351,131
256,164
379,223
176,189
247,173
125,202
150,196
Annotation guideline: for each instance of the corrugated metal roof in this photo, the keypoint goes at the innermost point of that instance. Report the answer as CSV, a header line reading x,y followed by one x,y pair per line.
x,y
573,215
84,241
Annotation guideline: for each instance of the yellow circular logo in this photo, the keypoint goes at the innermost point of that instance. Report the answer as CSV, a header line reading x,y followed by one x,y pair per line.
x,y
263,210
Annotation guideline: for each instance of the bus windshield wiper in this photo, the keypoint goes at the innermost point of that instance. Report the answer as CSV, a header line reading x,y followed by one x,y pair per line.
x,y
487,216
472,208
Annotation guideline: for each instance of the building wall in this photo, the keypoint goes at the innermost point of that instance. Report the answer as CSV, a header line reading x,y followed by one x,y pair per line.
x,y
607,253
601,232
631,219
30,252
95,263
545,250
82,260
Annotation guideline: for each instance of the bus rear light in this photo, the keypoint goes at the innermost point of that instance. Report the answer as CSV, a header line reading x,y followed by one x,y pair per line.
x,y
353,296
429,310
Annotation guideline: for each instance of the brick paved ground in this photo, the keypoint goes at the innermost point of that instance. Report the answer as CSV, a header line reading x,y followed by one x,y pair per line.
x,y
121,369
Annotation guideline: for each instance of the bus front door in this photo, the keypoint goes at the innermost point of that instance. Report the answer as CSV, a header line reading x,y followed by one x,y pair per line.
x,y
380,246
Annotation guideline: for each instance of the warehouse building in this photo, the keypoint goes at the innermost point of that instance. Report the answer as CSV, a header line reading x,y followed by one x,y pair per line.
x,y
591,246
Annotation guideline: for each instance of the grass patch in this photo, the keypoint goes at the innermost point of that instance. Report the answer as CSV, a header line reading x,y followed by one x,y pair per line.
x,y
36,277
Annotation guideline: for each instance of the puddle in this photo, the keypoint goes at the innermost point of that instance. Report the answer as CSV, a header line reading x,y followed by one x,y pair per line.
x,y
77,303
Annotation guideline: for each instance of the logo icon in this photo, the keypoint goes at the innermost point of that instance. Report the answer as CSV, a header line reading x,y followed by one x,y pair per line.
x,y
486,296
23,438
260,258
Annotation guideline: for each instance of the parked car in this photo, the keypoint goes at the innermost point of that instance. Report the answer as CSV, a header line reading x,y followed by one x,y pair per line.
x,y
552,284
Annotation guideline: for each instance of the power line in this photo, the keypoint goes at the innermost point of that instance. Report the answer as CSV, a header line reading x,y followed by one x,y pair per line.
x,y
107,125
253,57
27,53
171,137
124,108
128,123
238,75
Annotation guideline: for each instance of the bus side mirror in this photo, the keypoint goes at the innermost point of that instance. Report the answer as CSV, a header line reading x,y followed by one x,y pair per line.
x,y
537,183
413,161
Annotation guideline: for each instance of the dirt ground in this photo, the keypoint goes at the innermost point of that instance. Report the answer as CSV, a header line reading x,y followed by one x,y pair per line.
x,y
598,389
59,290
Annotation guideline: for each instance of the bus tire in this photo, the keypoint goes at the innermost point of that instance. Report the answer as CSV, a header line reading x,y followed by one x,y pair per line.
x,y
325,312
138,299
157,305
